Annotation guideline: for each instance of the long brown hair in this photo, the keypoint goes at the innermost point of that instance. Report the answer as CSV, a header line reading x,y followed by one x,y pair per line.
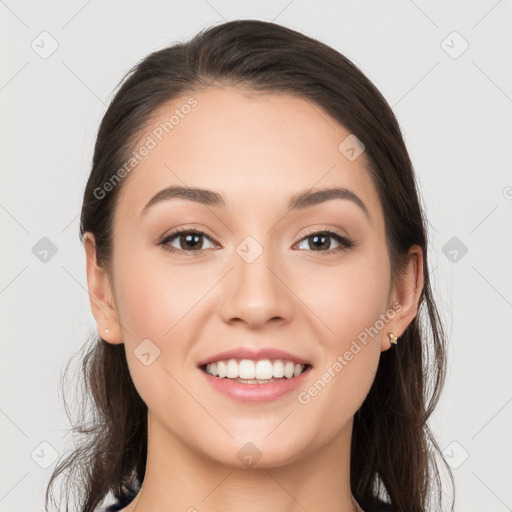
x,y
393,452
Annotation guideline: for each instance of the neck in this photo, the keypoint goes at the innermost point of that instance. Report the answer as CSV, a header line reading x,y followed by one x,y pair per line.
x,y
178,478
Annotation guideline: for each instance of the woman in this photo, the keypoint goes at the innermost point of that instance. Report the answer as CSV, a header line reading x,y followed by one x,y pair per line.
x,y
257,269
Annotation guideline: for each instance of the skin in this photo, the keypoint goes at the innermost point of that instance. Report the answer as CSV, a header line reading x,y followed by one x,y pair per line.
x,y
256,150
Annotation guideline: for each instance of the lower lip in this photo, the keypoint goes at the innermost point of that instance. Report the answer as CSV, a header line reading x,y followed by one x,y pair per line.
x,y
256,392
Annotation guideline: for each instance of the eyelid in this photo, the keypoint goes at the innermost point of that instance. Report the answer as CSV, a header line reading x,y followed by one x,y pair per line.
x,y
312,230
187,228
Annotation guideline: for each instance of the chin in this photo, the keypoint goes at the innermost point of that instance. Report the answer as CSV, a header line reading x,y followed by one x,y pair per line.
x,y
258,452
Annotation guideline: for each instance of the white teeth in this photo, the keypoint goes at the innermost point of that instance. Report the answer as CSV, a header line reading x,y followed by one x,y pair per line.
x,y
297,370
247,369
278,369
221,369
264,370
288,369
232,369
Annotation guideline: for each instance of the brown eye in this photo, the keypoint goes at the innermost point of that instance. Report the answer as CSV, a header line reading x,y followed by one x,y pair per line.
x,y
183,241
322,241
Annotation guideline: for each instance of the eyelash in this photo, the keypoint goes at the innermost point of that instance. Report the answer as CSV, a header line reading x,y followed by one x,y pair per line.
x,y
344,241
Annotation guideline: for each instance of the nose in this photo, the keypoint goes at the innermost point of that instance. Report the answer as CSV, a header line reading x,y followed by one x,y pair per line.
x,y
256,293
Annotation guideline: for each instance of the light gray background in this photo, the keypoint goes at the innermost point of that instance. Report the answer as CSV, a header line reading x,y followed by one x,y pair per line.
x,y
456,116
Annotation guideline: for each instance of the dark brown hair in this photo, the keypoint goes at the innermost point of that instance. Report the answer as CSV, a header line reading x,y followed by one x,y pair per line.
x,y
393,452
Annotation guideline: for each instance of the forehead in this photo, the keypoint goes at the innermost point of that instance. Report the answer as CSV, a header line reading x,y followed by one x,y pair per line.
x,y
248,146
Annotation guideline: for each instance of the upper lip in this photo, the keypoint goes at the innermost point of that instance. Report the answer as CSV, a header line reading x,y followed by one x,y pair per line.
x,y
254,354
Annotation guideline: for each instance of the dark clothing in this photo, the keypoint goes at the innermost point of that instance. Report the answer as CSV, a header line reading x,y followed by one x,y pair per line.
x,y
127,497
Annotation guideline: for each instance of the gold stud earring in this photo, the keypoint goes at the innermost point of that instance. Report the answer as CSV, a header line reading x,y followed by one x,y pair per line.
x,y
392,338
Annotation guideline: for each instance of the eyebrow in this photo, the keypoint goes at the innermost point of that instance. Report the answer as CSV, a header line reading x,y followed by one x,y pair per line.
x,y
299,201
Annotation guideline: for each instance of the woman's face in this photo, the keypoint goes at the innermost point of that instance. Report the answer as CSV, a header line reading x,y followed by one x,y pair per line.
x,y
257,271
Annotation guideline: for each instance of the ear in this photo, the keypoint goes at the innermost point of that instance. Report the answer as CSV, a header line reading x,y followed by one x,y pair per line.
x,y
100,295
405,296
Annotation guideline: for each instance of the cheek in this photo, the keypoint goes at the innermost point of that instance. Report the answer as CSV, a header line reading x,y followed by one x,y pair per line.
x,y
157,302
348,298
350,303
155,295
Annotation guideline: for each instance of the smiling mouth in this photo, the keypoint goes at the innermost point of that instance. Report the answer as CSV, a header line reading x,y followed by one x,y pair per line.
x,y
248,371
